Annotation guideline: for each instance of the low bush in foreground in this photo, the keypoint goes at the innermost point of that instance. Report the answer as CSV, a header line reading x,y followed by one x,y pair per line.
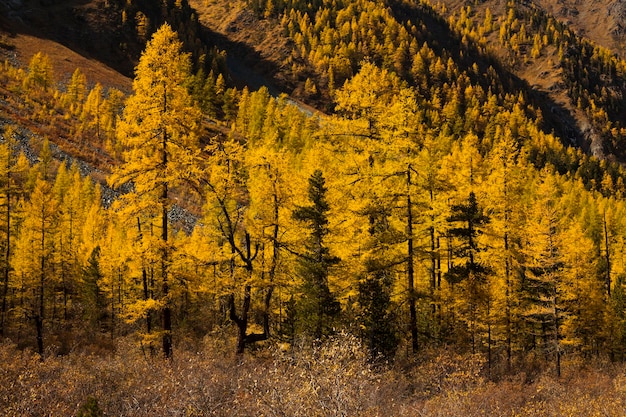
x,y
331,379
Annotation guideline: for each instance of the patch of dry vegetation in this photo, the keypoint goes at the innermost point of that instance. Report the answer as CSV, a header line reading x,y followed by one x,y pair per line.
x,y
331,379
66,61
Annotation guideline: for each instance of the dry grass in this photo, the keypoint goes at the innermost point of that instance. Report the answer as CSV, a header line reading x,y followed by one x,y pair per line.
x,y
590,19
333,379
64,60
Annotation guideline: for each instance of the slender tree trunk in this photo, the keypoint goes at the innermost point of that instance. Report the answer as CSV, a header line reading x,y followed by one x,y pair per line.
x,y
167,312
435,264
557,345
433,260
39,331
113,303
507,275
63,278
507,269
439,273
489,361
42,276
433,254
7,258
410,264
607,255
146,292
272,271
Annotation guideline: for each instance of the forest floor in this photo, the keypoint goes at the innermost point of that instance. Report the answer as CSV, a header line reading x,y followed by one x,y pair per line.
x,y
332,379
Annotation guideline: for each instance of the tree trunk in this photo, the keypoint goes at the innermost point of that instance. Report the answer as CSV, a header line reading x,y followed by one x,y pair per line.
x,y
241,322
39,330
7,261
41,307
507,274
607,255
410,266
167,312
557,345
146,292
489,361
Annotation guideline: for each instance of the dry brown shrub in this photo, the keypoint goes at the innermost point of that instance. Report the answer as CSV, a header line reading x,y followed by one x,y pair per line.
x,y
334,378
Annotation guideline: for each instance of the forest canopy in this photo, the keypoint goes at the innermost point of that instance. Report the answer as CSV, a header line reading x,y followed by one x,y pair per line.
x,y
428,207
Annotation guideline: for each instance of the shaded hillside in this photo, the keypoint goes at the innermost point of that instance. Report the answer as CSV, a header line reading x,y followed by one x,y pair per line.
x,y
601,21
111,31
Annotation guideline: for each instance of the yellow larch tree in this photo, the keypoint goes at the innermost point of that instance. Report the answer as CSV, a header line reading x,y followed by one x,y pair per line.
x,y
269,217
9,193
381,120
40,73
159,130
505,190
236,249
544,283
37,244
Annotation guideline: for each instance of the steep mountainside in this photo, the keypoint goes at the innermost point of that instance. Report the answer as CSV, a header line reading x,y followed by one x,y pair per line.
x,y
271,48
90,28
596,32
601,21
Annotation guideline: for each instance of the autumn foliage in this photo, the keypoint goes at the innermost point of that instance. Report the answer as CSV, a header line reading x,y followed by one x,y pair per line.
x,y
425,239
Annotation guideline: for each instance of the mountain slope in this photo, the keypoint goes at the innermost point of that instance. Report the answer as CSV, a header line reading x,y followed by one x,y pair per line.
x,y
267,48
290,63
603,21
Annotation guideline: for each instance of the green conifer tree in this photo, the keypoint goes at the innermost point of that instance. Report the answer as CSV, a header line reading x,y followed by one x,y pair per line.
x,y
317,306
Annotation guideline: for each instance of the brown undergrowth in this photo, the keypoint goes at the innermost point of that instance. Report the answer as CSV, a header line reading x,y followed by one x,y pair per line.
x,y
335,378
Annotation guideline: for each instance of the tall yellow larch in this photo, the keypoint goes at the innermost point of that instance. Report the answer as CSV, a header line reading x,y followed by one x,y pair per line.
x,y
115,266
36,243
506,203
269,217
544,268
225,211
381,123
159,131
9,193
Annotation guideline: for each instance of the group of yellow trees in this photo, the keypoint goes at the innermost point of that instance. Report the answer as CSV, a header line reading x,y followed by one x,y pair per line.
x,y
406,221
